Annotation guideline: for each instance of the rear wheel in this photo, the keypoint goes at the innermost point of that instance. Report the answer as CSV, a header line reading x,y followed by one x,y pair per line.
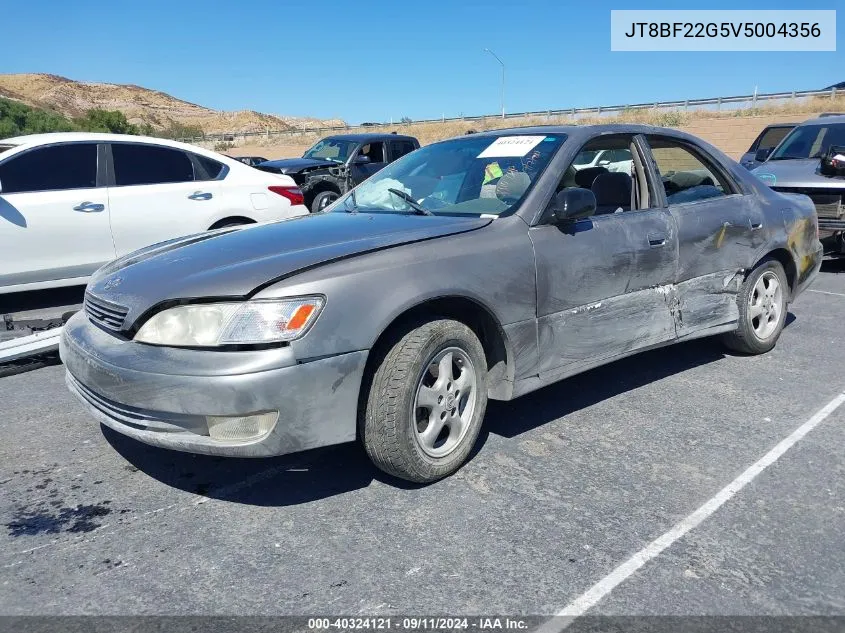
x,y
426,402
322,200
762,303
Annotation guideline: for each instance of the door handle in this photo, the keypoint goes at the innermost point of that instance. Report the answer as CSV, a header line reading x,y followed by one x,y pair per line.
x,y
200,195
89,207
656,240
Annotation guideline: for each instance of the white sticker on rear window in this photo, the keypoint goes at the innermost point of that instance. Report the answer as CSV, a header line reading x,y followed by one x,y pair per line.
x,y
511,146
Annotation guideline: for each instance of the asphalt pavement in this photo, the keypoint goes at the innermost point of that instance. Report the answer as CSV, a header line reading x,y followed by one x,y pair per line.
x,y
567,484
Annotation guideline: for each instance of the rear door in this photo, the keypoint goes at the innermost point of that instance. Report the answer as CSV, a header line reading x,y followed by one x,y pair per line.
x,y
54,214
720,231
154,195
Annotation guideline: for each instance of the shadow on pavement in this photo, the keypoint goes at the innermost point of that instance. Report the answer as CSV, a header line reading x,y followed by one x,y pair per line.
x,y
325,472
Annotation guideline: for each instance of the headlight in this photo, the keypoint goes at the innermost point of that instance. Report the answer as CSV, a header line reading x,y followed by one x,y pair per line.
x,y
241,323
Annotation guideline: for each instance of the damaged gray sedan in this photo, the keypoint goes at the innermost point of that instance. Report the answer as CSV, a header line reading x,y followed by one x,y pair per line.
x,y
479,267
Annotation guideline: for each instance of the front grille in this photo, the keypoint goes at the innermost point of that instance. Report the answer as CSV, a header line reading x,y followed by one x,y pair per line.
x,y
828,203
105,313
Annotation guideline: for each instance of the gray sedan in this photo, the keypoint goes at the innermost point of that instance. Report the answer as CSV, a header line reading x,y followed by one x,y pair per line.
x,y
480,267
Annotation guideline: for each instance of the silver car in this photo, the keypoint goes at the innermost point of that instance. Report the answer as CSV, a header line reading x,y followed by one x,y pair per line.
x,y
795,167
472,268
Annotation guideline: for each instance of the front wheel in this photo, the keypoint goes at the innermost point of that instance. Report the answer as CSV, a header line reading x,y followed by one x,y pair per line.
x,y
426,402
762,303
322,200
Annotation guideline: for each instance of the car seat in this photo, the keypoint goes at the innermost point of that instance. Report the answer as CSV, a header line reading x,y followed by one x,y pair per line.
x,y
613,192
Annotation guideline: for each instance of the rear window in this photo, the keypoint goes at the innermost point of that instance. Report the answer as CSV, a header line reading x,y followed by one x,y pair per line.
x,y
57,167
136,164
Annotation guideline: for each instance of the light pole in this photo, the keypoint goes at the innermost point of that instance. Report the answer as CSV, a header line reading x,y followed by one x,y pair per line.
x,y
503,78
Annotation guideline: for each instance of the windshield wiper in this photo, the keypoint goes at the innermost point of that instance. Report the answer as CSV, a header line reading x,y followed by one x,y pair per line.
x,y
411,202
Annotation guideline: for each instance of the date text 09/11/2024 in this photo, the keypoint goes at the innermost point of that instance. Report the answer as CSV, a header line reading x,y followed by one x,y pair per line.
x,y
418,624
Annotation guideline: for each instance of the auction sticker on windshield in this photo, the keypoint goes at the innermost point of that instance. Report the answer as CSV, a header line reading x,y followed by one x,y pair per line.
x,y
511,146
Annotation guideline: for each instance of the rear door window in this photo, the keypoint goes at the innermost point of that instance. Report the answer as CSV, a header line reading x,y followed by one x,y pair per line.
x,y
57,167
137,164
686,176
213,168
400,148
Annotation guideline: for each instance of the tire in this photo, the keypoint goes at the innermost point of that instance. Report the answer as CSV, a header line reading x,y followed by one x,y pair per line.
x,y
399,424
762,300
322,200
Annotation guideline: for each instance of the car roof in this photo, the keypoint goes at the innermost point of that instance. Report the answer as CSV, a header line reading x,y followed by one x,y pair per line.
x,y
826,120
585,132
359,138
71,137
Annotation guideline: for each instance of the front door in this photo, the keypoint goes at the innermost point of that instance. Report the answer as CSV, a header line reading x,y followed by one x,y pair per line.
x,y
720,231
54,218
375,153
604,283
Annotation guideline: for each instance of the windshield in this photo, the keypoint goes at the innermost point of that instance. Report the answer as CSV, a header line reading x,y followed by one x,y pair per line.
x,y
334,149
810,141
471,175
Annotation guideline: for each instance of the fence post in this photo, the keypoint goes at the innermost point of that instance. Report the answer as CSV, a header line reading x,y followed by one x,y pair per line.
x,y
833,93
719,104
686,105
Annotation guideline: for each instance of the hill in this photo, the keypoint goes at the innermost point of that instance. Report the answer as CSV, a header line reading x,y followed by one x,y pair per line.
x,y
141,106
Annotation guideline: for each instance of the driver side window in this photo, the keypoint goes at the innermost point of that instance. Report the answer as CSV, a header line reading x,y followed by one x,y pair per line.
x,y
373,151
606,166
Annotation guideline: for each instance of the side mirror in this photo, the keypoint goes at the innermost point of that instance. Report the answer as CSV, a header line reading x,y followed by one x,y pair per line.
x,y
763,154
833,162
360,159
574,204
604,162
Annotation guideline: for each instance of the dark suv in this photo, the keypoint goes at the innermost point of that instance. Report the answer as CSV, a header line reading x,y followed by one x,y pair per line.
x,y
335,164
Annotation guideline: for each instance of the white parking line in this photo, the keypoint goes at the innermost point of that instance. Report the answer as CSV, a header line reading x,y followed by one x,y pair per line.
x,y
598,591
825,292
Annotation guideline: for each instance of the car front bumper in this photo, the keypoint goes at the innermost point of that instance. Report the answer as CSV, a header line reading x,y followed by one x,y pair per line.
x,y
162,395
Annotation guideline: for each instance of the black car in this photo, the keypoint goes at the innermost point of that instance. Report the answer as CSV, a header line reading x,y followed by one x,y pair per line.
x,y
252,161
335,164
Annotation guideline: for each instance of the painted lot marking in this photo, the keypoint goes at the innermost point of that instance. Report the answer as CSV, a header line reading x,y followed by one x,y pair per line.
x,y
603,587
825,292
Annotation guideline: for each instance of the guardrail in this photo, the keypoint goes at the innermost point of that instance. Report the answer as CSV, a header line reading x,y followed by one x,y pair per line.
x,y
714,103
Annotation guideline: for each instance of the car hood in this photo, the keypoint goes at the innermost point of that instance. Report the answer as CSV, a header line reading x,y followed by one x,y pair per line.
x,y
796,173
295,165
235,263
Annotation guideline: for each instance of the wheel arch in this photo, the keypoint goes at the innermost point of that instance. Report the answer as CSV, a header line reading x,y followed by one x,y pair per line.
x,y
472,313
229,220
782,255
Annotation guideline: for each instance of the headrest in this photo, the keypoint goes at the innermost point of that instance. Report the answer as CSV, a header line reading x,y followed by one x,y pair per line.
x,y
584,177
512,186
613,188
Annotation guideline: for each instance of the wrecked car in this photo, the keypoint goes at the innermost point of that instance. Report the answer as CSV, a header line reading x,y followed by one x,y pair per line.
x,y
472,269
804,163
337,163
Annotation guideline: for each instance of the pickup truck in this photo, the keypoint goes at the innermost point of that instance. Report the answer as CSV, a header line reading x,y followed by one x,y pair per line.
x,y
336,164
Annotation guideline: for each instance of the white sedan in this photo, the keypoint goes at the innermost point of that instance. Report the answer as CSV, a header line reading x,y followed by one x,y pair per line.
x,y
69,202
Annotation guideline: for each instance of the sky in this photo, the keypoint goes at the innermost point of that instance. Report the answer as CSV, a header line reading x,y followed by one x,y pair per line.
x,y
381,61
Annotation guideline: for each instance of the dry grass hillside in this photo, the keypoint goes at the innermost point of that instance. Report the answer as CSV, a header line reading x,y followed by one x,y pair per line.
x,y
140,105
732,131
